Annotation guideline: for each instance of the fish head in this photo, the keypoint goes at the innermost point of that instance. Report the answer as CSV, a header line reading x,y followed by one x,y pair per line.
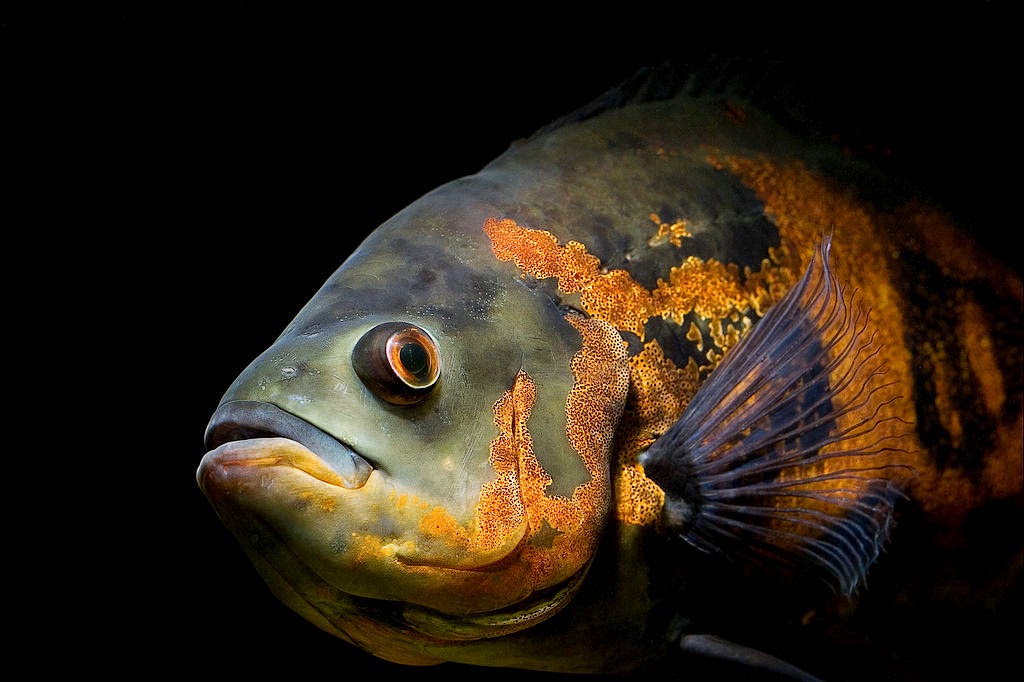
x,y
425,449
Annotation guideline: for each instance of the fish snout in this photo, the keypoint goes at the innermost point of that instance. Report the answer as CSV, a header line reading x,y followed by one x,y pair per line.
x,y
243,420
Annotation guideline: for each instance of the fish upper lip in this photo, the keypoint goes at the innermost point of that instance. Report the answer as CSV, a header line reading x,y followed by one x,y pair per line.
x,y
245,419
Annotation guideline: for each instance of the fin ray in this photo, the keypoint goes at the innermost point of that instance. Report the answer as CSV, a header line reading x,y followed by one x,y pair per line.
x,y
757,465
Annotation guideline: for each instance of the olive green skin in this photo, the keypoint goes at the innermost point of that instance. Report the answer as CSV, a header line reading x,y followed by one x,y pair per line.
x,y
596,182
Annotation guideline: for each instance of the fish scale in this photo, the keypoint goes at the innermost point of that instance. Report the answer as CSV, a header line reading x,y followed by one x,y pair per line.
x,y
583,295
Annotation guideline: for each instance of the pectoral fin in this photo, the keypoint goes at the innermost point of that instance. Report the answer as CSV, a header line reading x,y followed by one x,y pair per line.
x,y
790,450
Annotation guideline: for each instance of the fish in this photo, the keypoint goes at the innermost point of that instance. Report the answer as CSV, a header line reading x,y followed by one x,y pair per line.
x,y
668,384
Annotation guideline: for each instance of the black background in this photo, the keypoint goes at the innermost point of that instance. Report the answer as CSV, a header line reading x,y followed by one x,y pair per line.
x,y
191,176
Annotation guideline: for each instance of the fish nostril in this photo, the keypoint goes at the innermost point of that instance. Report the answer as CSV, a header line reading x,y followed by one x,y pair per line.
x,y
245,419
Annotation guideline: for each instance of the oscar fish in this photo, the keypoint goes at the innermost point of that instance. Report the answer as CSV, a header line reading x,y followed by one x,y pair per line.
x,y
665,382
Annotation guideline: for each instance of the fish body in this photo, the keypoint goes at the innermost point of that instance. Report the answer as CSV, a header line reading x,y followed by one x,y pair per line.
x,y
545,418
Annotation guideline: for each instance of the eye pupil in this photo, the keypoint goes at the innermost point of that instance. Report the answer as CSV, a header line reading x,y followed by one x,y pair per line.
x,y
414,358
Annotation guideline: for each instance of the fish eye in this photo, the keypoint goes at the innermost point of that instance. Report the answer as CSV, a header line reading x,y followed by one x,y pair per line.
x,y
398,361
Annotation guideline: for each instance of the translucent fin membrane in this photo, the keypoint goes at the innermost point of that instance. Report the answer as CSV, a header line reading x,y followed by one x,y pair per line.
x,y
785,452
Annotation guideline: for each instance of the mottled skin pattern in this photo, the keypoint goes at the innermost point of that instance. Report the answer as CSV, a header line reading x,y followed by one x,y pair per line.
x,y
672,226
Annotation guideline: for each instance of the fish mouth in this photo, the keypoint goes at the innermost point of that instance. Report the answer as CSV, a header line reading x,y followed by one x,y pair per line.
x,y
286,490
321,455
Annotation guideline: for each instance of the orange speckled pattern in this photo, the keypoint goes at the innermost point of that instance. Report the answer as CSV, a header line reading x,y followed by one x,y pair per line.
x,y
439,522
804,205
562,532
668,233
659,391
713,290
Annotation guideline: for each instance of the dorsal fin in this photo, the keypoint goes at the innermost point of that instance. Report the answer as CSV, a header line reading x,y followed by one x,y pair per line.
x,y
763,79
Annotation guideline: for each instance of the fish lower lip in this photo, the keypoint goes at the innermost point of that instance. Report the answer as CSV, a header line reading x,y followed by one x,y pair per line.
x,y
246,419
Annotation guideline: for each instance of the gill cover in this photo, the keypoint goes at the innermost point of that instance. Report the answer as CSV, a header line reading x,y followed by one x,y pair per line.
x,y
409,482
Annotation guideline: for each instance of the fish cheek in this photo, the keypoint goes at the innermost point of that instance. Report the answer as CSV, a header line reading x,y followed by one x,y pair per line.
x,y
562,530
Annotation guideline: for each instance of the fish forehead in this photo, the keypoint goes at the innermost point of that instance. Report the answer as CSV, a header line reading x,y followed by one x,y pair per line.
x,y
607,182
431,259
611,183
425,268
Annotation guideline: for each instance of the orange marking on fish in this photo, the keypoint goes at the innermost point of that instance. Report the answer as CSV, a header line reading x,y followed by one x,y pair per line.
x,y
804,205
518,491
711,289
672,233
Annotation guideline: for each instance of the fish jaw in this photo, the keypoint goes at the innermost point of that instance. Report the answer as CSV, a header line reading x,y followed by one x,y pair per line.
x,y
230,464
373,541
374,596
333,461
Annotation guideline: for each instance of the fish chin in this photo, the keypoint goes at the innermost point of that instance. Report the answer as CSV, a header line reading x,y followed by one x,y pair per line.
x,y
374,541
337,557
